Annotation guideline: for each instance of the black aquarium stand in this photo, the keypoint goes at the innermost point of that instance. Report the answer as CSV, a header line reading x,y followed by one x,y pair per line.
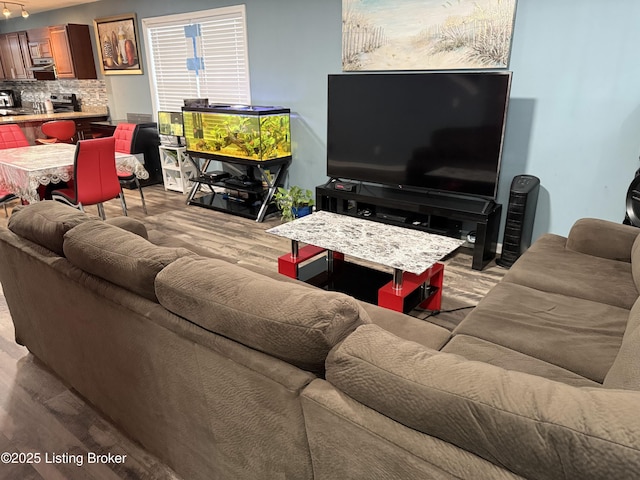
x,y
432,211
253,200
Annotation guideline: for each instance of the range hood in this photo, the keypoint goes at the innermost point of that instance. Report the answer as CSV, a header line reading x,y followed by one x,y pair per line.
x,y
43,69
42,65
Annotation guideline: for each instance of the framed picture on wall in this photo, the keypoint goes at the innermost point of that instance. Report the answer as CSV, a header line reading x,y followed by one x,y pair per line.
x,y
426,35
118,45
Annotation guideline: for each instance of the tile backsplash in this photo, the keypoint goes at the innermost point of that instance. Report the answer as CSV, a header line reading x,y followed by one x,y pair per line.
x,y
92,94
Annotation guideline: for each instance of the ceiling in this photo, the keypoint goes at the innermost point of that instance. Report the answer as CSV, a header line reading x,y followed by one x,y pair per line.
x,y
38,6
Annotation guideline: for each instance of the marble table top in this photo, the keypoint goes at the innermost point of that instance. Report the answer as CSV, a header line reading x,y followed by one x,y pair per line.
x,y
396,247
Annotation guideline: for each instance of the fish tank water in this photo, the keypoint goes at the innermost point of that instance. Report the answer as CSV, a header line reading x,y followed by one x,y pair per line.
x,y
238,131
170,123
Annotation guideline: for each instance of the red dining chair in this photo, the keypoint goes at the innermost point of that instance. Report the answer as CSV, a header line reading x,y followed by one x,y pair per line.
x,y
95,177
62,131
124,135
6,197
12,136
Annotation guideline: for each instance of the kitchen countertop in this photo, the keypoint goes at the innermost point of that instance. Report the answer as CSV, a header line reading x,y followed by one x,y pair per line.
x,y
45,117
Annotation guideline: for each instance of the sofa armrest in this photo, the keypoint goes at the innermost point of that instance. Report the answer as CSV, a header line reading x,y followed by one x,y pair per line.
x,y
535,427
602,238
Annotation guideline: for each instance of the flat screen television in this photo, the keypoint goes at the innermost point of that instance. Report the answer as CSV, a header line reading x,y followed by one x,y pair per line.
x,y
170,123
422,131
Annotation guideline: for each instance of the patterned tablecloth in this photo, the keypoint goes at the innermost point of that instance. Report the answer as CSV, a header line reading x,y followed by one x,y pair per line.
x,y
24,169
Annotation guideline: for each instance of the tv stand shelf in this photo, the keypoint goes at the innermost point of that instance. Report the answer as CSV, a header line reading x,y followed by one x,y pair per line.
x,y
433,211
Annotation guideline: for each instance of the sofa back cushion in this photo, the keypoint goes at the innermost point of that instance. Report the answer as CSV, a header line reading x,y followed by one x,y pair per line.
x,y
531,426
635,262
46,222
291,322
625,371
129,224
119,256
602,238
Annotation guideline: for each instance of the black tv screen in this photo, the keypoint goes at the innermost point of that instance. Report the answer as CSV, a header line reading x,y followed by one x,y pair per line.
x,y
432,131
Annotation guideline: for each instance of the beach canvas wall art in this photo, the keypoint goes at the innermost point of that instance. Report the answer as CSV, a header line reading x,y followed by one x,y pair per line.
x,y
426,34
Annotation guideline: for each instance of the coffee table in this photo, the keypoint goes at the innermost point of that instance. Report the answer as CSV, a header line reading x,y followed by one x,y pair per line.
x,y
412,254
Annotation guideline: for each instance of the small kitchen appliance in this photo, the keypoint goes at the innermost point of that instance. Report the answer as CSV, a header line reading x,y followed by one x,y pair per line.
x,y
64,102
8,99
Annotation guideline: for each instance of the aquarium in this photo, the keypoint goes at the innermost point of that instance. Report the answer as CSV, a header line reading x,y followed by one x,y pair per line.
x,y
170,124
238,131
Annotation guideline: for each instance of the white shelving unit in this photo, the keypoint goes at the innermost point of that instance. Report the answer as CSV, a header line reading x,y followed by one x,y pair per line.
x,y
177,169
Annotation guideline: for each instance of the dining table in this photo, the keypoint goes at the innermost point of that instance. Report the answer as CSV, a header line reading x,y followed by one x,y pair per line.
x,y
24,169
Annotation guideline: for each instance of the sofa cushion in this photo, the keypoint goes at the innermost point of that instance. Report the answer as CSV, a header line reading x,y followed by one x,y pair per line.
x,y
635,261
46,222
509,418
163,239
129,224
625,371
292,322
119,256
479,350
408,327
550,267
602,238
579,335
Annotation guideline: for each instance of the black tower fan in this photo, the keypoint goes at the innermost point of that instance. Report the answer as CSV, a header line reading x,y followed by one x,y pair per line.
x,y
521,211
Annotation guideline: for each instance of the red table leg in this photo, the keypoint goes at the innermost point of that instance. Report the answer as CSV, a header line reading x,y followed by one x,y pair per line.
x,y
288,264
434,301
393,298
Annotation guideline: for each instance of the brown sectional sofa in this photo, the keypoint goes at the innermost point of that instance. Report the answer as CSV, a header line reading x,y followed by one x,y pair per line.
x,y
230,372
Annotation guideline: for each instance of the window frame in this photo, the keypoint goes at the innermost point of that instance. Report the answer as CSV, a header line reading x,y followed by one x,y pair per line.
x,y
191,18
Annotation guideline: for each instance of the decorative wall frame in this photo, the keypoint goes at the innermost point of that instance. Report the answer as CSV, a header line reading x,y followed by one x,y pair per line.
x,y
118,45
426,35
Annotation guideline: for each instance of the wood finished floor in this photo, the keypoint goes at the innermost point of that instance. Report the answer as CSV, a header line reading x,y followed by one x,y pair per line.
x,y
38,413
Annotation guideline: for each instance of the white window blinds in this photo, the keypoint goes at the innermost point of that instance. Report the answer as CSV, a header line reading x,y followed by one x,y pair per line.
x,y
198,55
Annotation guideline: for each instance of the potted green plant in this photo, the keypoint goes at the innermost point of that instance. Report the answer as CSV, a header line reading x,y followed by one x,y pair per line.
x,y
293,202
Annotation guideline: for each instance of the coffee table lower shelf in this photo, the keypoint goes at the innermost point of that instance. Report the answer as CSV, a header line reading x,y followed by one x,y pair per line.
x,y
401,292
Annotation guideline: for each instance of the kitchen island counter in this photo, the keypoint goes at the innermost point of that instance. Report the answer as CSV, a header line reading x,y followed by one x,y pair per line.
x,y
30,124
47,117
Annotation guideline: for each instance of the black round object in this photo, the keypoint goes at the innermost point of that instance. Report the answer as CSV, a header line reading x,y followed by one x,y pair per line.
x,y
633,202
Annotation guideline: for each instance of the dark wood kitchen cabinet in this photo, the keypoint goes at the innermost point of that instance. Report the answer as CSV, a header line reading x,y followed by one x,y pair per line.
x,y
24,50
39,44
3,76
14,50
72,51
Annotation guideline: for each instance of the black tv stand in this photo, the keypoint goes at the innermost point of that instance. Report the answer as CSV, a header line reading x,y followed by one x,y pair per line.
x,y
432,211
